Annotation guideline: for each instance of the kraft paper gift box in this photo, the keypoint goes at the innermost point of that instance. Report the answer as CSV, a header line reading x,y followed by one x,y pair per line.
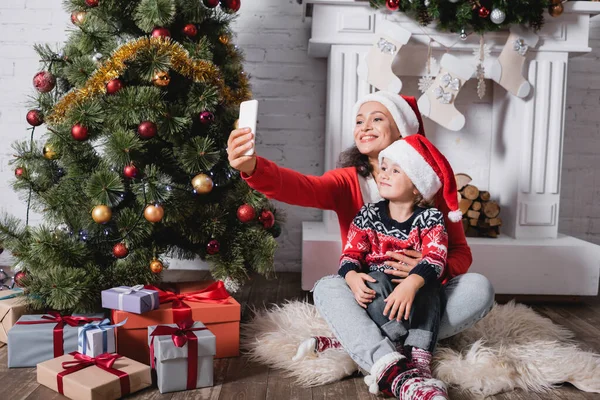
x,y
12,308
183,361
92,382
133,299
33,339
97,338
221,318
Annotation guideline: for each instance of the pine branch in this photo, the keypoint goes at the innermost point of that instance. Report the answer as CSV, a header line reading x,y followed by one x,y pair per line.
x,y
105,187
198,155
153,13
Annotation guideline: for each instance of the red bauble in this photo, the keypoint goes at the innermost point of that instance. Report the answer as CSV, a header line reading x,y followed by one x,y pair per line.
x,y
19,172
207,118
44,81
92,3
120,250
18,278
161,32
114,85
190,30
130,171
267,219
213,247
211,3
147,130
484,12
79,132
392,5
231,5
246,213
35,117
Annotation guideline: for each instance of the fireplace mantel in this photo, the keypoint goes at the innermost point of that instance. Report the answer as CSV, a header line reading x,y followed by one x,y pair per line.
x,y
519,143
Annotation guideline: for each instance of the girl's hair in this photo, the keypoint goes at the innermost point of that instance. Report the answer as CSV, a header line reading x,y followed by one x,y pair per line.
x,y
421,202
352,157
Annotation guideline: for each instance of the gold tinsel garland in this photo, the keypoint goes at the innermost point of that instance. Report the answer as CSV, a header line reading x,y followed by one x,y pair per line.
x,y
198,70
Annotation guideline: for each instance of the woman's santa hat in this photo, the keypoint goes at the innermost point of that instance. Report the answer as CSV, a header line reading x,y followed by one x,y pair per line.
x,y
427,168
404,111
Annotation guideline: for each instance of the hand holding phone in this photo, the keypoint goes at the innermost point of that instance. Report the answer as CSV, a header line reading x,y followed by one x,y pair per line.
x,y
248,118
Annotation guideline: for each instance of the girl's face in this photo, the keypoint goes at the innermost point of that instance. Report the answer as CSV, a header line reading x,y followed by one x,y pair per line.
x,y
374,129
394,184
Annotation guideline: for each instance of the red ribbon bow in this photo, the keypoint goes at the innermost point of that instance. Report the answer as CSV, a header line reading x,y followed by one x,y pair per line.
x,y
104,361
61,321
215,293
182,334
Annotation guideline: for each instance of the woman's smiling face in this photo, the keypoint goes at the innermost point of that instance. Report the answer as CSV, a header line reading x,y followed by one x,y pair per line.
x,y
374,129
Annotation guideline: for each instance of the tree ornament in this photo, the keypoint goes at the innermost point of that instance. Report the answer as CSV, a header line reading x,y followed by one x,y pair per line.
x,y
35,117
463,34
161,79
276,230
114,85
130,171
161,32
78,17
224,39
231,6
207,118
213,247
453,1
497,16
154,212
44,81
48,152
231,285
92,3
156,266
190,30
147,129
120,250
202,183
556,10
267,219
392,5
20,172
101,214
18,278
79,132
211,3
483,12
246,213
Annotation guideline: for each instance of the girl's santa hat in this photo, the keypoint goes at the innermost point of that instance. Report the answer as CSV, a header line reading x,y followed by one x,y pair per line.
x,y
404,111
427,168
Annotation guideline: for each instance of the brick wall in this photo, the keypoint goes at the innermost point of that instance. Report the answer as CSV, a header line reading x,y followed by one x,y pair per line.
x,y
291,88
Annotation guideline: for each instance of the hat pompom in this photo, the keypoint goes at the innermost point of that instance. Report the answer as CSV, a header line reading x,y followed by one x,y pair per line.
x,y
455,216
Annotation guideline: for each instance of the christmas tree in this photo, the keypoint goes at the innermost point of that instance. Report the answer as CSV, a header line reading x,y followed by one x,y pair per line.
x,y
138,106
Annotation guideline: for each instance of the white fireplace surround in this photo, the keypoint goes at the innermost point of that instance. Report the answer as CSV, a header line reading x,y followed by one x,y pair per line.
x,y
510,146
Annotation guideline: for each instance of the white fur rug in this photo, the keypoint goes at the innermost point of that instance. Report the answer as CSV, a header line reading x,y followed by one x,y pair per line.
x,y
512,347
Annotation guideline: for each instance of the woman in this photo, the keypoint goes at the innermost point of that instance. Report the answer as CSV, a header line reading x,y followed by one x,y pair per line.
x,y
379,119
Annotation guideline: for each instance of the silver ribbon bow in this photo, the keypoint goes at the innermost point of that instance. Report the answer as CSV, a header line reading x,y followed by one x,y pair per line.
x,y
444,97
520,47
386,47
133,289
449,81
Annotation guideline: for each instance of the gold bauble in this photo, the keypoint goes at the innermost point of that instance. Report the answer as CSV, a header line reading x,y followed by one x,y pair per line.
x,y
49,153
224,39
78,17
156,266
154,213
101,214
161,78
202,183
556,10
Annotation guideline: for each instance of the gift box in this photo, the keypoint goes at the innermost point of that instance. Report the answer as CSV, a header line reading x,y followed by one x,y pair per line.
x,y
79,377
221,317
97,338
37,338
12,308
183,355
133,299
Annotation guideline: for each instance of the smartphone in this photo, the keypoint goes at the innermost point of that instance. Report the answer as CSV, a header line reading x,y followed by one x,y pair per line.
x,y
248,118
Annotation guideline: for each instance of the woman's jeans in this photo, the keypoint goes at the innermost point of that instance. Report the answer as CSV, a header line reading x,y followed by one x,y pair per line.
x,y
469,298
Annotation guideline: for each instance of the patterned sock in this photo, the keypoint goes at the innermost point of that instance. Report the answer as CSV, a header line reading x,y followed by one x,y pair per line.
x,y
419,388
326,342
422,360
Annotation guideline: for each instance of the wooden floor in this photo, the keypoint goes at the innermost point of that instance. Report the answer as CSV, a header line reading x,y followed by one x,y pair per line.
x,y
235,378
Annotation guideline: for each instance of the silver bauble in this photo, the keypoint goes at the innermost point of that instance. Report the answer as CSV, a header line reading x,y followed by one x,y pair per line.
x,y
497,16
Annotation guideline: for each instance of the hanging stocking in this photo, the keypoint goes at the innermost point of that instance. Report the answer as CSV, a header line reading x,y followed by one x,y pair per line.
x,y
507,70
437,103
376,67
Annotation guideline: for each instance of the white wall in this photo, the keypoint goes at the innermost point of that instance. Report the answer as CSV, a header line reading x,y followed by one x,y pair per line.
x,y
291,87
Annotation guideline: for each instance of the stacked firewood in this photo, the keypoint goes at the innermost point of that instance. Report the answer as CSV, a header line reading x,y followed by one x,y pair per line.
x,y
480,214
